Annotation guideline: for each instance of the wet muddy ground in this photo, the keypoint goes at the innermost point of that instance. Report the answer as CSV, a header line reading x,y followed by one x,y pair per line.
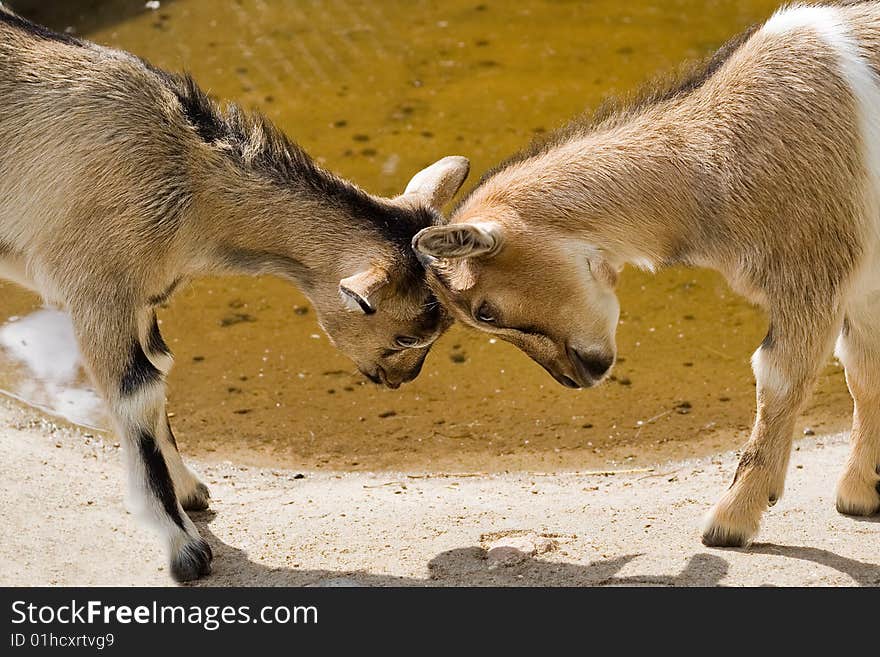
x,y
376,91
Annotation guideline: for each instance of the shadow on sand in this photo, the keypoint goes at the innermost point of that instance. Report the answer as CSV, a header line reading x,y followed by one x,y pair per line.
x,y
866,574
468,566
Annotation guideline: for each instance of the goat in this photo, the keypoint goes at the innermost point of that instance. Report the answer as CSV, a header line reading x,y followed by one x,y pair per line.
x,y
763,164
119,182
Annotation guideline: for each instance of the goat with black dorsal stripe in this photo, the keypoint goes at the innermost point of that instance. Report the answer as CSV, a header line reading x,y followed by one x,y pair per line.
x,y
119,182
764,164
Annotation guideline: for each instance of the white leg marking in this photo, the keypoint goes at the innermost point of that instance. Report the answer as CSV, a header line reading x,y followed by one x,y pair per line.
x,y
768,377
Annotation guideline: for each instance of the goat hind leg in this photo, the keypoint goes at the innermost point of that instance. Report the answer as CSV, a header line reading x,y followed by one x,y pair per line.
x,y
858,347
191,492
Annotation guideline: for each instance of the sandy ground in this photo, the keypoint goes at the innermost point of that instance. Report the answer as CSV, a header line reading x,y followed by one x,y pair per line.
x,y
64,522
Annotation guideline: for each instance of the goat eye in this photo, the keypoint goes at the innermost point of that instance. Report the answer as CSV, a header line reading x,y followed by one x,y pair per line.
x,y
485,314
406,341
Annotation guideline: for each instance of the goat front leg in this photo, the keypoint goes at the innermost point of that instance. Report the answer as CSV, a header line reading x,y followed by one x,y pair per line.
x,y
858,347
785,366
191,492
134,389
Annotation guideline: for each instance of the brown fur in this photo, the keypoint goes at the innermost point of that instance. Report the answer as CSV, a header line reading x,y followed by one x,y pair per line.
x,y
120,182
757,166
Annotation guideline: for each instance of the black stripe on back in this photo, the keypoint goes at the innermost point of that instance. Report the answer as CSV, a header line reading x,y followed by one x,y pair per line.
x,y
256,145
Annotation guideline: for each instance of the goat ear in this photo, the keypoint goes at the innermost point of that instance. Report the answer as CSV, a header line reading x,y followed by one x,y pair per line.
x,y
358,290
437,184
459,240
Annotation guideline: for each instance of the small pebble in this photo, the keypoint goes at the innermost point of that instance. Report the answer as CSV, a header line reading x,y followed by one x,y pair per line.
x,y
511,550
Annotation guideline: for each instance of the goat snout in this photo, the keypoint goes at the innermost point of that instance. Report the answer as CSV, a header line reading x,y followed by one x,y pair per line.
x,y
590,366
372,376
379,376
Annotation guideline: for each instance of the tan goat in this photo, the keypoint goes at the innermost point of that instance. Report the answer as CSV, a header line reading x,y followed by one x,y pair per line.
x,y
764,164
119,182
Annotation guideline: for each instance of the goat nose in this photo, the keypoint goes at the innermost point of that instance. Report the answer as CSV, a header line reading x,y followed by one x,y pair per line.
x,y
593,363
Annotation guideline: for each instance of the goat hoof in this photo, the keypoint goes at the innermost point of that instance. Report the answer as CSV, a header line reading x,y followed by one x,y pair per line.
x,y
858,494
192,561
197,500
718,536
730,525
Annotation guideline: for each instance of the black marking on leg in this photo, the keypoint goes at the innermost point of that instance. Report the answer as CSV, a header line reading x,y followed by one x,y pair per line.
x,y
158,477
170,433
846,327
140,372
769,339
747,460
162,297
155,343
198,500
192,561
